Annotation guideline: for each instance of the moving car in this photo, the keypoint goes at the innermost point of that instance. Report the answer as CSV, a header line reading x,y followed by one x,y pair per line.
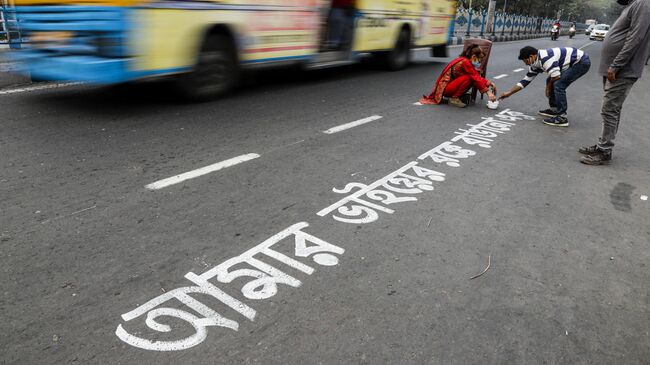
x,y
599,32
589,29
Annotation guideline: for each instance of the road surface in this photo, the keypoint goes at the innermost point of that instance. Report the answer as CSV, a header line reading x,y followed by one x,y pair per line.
x,y
111,196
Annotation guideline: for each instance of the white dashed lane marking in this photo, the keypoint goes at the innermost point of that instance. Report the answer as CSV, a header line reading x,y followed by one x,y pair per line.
x,y
38,87
356,123
587,45
518,70
202,171
500,76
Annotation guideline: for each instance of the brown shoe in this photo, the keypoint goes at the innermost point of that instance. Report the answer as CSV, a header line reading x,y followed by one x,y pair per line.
x,y
598,158
457,102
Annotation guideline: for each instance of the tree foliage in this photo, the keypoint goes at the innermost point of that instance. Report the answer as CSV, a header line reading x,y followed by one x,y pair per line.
x,y
604,11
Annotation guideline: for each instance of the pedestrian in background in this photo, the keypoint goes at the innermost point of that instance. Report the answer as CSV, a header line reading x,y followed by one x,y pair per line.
x,y
626,49
564,65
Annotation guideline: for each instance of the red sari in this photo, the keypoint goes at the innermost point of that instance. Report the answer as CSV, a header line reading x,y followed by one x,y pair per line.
x,y
455,80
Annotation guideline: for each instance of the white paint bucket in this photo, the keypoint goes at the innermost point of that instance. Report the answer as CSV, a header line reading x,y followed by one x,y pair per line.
x,y
493,104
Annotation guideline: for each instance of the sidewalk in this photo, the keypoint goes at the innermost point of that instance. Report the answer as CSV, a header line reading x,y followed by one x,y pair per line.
x,y
455,40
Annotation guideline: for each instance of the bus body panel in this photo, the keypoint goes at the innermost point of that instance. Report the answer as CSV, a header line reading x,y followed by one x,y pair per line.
x,y
381,21
120,40
169,37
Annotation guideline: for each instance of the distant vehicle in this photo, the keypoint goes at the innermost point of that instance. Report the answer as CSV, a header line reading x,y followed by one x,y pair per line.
x,y
591,22
572,31
589,29
555,32
599,32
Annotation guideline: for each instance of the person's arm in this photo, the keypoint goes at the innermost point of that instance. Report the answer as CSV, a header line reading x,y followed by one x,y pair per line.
x,y
491,91
515,89
493,86
554,71
530,76
639,26
481,83
550,84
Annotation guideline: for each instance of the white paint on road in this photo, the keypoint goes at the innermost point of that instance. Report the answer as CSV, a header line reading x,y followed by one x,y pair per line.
x,y
263,280
518,70
500,76
644,197
363,203
587,45
39,87
352,124
202,171
417,103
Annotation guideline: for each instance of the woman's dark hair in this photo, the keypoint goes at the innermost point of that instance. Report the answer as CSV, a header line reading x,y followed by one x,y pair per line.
x,y
473,50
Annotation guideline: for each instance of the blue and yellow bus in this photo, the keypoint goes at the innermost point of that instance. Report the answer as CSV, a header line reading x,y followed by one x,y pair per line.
x,y
204,44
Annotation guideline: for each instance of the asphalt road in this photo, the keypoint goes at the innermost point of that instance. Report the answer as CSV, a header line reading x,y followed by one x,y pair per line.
x,y
83,241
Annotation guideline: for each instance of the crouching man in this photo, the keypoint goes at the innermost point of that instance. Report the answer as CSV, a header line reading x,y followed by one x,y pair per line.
x,y
564,65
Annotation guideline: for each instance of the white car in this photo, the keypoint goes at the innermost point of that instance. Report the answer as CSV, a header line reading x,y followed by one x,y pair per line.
x,y
599,32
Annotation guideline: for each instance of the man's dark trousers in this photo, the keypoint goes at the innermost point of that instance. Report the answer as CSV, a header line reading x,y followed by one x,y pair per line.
x,y
557,98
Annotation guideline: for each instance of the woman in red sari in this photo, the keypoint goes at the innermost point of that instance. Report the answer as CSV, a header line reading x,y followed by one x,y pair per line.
x,y
459,76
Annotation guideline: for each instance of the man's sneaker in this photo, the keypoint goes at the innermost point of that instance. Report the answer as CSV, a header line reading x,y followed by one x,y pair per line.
x,y
457,102
557,121
589,150
598,158
547,113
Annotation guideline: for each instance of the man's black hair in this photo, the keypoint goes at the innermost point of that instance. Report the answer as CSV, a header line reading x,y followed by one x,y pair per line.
x,y
527,52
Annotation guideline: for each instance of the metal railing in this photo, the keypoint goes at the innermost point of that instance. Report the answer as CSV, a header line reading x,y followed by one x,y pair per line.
x,y
9,30
474,23
467,23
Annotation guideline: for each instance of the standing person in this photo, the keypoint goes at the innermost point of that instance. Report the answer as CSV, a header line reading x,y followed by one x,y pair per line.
x,y
341,24
459,76
626,49
564,66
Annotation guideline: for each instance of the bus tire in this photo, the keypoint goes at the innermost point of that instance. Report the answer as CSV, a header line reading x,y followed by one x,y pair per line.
x,y
400,56
215,72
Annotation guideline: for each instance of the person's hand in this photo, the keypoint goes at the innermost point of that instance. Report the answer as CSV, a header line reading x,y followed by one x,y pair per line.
x,y
548,92
505,95
611,74
494,87
491,96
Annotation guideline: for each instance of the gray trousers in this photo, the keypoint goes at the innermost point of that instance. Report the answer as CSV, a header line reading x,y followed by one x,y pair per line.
x,y
615,94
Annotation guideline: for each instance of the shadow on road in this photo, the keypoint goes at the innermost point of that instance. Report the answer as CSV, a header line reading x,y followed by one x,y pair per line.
x,y
163,96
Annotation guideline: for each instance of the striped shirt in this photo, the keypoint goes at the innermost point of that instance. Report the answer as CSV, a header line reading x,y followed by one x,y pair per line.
x,y
553,61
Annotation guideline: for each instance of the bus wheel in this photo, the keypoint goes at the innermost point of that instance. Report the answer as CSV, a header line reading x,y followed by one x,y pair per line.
x,y
400,56
215,72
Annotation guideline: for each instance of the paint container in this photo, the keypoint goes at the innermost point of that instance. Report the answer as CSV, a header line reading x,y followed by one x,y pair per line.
x,y
493,104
